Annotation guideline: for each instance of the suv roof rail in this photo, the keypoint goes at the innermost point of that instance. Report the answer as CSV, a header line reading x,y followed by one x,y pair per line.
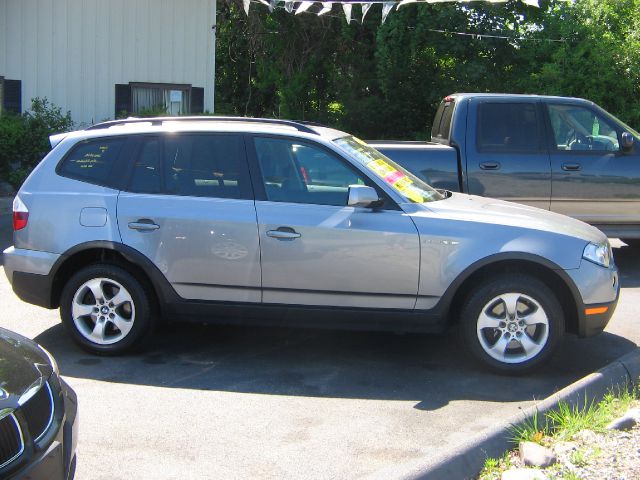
x,y
160,120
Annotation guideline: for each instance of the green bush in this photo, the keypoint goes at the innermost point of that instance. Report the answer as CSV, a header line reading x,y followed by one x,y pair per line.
x,y
24,139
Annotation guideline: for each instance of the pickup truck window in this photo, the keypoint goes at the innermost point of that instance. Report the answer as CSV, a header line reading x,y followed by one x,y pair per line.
x,y
407,184
441,128
508,127
579,128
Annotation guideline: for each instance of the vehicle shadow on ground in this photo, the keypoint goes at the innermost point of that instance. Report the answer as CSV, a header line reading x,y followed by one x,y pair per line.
x,y
430,370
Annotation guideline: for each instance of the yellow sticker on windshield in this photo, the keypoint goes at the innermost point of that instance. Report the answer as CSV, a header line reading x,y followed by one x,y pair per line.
x,y
361,142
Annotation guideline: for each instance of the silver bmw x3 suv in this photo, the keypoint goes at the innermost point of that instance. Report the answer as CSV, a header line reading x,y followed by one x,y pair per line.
x,y
236,220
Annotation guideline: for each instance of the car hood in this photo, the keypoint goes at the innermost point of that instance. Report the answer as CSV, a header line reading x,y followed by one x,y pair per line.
x,y
472,208
24,367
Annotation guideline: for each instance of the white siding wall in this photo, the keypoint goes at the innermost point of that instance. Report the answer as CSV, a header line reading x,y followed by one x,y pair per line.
x,y
74,51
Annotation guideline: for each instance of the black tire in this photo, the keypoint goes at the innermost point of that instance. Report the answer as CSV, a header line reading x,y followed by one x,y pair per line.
x,y
534,295
138,310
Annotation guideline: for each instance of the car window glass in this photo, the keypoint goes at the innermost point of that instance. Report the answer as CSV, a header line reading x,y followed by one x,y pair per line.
x,y
300,173
579,128
202,165
93,160
442,122
145,177
508,127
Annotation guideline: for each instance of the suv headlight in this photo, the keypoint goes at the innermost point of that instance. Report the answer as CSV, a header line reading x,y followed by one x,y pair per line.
x,y
598,253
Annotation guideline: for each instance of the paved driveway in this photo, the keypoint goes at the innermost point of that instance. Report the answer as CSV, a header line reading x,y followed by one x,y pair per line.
x,y
231,402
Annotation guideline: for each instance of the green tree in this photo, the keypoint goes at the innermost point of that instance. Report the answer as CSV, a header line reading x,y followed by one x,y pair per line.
x,y
24,139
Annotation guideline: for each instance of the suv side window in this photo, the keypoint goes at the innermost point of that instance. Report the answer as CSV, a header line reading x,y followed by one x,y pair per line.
x,y
579,128
297,172
146,175
508,127
201,165
93,161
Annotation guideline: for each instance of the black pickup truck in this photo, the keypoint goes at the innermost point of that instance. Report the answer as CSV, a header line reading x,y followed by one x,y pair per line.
x,y
562,154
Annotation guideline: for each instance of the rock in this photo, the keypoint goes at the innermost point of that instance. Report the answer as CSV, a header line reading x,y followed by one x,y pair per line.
x,y
532,454
633,413
622,423
523,474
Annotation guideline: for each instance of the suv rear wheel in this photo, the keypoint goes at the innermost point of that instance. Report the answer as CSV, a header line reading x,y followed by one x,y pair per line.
x,y
106,309
512,323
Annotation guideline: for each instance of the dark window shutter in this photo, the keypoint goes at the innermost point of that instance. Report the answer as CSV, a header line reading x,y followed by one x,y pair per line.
x,y
197,100
12,96
123,100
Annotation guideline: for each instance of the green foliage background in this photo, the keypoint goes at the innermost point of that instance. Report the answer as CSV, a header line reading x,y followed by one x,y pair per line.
x,y
385,81
24,139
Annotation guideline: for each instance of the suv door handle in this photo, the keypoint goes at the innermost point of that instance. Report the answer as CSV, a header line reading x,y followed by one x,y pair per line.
x,y
571,167
144,225
490,166
283,233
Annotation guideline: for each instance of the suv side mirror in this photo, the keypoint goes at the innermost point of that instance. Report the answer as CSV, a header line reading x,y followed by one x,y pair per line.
x,y
363,196
627,141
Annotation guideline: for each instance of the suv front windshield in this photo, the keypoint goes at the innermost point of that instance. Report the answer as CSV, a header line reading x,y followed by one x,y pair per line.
x,y
404,182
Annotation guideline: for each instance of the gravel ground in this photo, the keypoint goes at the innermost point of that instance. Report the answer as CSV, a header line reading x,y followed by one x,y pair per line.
x,y
611,455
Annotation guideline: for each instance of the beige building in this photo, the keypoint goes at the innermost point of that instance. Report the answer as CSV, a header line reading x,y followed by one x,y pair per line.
x,y
100,58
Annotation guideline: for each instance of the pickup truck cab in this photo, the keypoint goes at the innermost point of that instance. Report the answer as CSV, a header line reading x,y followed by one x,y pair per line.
x,y
561,154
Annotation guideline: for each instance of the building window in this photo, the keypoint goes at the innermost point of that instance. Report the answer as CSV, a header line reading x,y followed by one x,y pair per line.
x,y
158,98
10,95
149,97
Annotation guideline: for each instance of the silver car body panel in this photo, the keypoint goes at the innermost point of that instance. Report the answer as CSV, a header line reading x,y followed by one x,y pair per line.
x,y
344,257
206,247
31,261
597,285
462,230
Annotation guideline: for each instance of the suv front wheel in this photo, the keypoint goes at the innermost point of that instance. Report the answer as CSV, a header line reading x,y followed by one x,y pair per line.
x,y
106,309
512,323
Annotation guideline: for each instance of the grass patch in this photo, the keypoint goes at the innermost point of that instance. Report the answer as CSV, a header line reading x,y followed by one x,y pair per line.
x,y
568,420
571,476
579,458
493,467
563,424
531,430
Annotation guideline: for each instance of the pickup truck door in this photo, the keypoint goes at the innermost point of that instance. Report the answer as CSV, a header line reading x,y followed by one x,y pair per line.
x,y
507,156
593,179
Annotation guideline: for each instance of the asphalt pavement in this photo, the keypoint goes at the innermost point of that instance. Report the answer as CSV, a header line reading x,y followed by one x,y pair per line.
x,y
244,402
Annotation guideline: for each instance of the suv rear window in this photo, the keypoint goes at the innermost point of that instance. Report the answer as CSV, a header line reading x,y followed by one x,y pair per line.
x,y
92,160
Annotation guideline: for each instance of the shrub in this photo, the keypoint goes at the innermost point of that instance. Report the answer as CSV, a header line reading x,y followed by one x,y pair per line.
x,y
24,139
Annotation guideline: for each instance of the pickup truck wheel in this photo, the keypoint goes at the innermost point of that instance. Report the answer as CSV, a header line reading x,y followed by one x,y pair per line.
x,y
105,309
512,323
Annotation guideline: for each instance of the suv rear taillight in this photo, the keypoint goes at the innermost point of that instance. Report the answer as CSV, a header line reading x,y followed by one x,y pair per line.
x,y
20,214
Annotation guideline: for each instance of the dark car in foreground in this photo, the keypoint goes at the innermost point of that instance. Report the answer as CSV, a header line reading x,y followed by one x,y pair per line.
x,y
38,413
